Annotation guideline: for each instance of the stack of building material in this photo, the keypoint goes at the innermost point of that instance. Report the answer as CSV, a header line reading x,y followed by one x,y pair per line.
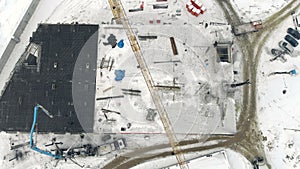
x,y
195,7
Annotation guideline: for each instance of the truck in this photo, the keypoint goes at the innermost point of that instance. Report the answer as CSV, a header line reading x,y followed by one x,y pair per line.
x,y
244,28
113,146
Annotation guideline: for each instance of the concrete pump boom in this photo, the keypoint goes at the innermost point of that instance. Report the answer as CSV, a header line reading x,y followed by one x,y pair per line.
x,y
32,144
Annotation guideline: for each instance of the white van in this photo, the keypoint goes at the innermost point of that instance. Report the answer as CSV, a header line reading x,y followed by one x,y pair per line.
x,y
286,47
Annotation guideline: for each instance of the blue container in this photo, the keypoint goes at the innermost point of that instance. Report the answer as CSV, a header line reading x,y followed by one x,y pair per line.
x,y
120,74
121,43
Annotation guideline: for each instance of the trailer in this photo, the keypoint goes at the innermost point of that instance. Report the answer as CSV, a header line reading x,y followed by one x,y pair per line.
x,y
244,28
105,149
173,45
160,6
145,37
110,147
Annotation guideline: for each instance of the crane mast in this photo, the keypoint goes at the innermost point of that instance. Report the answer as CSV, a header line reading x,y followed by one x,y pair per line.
x,y
121,18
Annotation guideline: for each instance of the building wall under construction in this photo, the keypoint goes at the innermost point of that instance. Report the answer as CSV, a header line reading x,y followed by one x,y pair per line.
x,y
49,80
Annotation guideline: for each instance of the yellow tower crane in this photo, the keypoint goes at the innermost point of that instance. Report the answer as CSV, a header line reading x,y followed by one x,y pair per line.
x,y
121,18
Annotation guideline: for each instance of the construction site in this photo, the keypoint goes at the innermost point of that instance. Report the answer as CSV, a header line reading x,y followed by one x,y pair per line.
x,y
130,84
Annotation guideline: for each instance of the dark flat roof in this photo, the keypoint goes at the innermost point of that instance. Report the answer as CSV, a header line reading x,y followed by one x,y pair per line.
x,y
63,81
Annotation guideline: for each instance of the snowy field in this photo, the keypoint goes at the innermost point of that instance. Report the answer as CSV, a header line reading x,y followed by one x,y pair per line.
x,y
42,14
11,13
252,10
214,159
278,113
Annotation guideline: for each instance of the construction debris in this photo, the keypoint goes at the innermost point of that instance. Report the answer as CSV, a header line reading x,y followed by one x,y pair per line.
x,y
110,97
151,114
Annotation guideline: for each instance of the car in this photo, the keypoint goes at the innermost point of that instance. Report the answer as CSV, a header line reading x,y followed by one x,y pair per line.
x,y
286,47
294,33
279,54
291,40
276,52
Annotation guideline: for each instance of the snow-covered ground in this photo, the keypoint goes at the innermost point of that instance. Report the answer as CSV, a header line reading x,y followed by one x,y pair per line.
x,y
11,13
278,113
252,10
96,12
42,13
213,159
